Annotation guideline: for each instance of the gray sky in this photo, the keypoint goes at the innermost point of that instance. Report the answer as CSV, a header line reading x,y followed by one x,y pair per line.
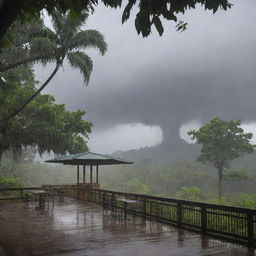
x,y
207,71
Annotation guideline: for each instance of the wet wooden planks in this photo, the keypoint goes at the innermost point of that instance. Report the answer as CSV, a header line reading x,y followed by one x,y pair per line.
x,y
78,228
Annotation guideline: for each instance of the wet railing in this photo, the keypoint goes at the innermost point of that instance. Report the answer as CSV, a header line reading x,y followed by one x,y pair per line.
x,y
15,193
80,191
230,222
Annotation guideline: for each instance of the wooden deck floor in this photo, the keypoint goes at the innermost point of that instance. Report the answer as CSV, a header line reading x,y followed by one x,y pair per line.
x,y
79,228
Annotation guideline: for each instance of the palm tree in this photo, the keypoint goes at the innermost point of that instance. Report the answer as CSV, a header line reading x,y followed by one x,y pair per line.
x,y
67,40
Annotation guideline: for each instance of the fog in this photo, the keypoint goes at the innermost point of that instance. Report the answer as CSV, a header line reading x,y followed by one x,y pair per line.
x,y
125,137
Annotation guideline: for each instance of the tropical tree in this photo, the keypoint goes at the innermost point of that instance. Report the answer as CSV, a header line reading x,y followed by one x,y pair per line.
x,y
19,50
222,141
43,125
67,40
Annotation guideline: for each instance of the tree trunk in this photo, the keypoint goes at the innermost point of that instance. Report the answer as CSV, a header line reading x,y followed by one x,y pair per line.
x,y
18,110
220,177
5,68
4,123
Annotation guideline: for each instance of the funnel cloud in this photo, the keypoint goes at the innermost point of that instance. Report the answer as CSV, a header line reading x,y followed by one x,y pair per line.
x,y
209,70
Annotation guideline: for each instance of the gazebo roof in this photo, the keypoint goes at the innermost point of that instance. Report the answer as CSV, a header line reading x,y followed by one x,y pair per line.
x,y
88,158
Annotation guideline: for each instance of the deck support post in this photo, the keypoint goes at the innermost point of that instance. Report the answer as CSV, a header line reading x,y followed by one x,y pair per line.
x,y
91,175
83,174
144,209
77,176
97,174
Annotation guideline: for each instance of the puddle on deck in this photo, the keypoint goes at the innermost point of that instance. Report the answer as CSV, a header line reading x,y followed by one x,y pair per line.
x,y
78,228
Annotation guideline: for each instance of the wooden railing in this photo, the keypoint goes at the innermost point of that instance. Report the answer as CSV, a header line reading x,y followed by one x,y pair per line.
x,y
15,193
80,191
229,222
234,223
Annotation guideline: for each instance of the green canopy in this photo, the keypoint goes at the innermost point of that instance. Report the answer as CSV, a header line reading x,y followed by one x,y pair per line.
x,y
88,158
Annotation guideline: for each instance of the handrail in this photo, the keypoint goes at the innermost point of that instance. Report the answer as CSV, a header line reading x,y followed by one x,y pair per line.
x,y
15,193
167,199
231,222
27,188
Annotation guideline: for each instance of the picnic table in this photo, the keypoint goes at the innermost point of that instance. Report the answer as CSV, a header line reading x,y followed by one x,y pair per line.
x,y
42,196
126,203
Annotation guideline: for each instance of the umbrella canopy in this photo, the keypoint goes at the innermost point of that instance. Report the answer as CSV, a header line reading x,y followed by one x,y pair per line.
x,y
88,158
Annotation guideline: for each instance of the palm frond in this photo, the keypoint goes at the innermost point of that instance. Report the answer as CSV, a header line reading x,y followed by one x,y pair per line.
x,y
13,54
44,32
58,21
43,45
45,48
88,38
72,26
77,20
83,62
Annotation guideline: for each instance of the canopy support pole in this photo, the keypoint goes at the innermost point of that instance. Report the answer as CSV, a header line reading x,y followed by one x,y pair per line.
x,y
77,176
83,174
91,175
97,174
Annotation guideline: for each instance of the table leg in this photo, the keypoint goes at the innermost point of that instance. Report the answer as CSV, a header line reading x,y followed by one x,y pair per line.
x,y
41,201
125,208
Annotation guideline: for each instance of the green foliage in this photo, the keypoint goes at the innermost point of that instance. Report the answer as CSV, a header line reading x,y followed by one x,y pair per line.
x,y
11,182
44,45
238,175
191,193
199,180
35,173
136,186
35,42
68,38
222,142
164,180
246,200
21,44
43,124
185,180
149,12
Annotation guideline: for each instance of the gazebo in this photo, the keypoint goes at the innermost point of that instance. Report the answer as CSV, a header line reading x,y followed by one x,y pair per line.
x,y
88,159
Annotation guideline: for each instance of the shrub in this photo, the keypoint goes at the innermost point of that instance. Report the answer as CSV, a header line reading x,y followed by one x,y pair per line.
x,y
11,182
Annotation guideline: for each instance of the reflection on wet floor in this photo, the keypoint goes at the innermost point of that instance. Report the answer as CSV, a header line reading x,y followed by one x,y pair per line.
x,y
79,228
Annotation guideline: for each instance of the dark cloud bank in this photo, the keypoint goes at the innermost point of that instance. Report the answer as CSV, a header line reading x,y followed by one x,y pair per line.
x,y
207,71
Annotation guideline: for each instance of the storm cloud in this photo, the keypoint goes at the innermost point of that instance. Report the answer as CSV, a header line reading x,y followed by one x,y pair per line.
x,y
209,70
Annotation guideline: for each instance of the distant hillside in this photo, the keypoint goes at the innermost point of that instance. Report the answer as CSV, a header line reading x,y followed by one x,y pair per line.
x,y
182,152
162,154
